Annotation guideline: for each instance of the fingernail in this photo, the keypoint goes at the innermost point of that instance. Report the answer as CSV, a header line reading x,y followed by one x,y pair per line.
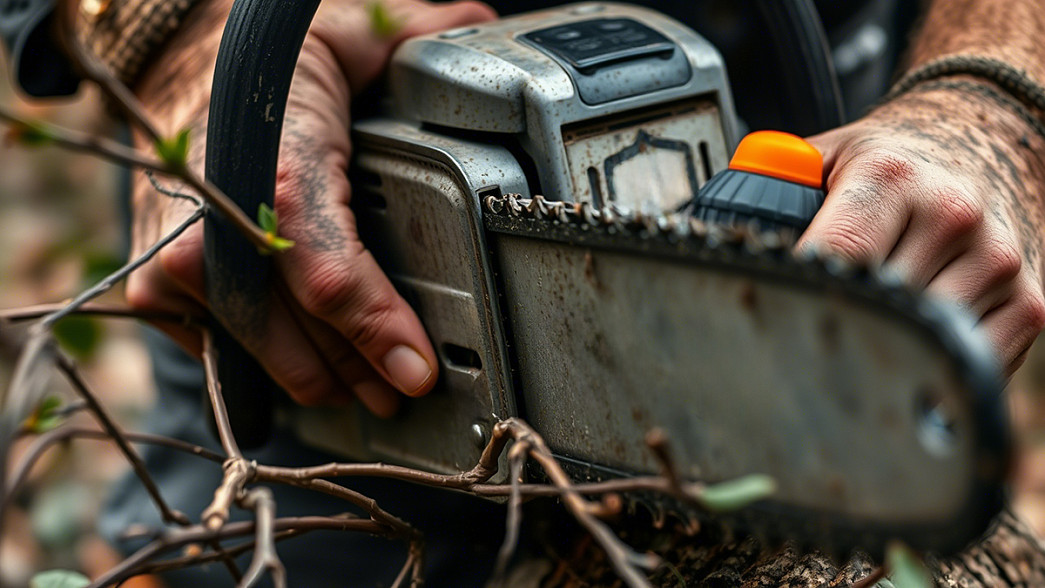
x,y
408,370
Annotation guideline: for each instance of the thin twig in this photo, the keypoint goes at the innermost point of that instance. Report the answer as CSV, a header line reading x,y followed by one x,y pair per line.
x,y
398,528
28,313
89,68
413,566
117,276
238,472
516,460
179,537
45,441
217,401
124,100
626,562
25,390
156,185
209,557
77,141
66,366
265,558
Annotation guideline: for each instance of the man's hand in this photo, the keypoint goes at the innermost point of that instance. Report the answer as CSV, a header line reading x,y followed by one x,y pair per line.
x,y
945,187
337,328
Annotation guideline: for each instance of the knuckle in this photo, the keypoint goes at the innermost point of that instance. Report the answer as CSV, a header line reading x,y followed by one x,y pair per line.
x,y
847,238
890,169
368,325
1032,309
957,212
328,291
1003,260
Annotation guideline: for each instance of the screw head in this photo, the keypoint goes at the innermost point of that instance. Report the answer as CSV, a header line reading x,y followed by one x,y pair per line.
x,y
479,435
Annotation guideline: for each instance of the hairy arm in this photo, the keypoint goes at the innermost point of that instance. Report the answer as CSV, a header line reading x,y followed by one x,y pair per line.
x,y
944,183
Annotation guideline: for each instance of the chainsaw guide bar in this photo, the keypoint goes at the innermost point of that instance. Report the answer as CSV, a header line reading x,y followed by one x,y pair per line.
x,y
949,448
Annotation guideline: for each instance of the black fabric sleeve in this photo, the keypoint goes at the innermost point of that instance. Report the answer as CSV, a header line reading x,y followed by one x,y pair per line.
x,y
39,66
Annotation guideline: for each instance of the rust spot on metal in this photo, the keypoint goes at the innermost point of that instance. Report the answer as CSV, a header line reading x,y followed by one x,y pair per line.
x,y
589,271
749,297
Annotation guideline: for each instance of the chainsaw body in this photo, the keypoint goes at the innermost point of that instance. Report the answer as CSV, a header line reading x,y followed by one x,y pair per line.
x,y
527,105
598,313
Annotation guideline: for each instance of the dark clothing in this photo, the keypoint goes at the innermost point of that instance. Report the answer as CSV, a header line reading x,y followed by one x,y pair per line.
x,y
25,26
462,533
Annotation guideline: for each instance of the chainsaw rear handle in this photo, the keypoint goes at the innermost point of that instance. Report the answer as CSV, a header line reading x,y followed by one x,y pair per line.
x,y
255,64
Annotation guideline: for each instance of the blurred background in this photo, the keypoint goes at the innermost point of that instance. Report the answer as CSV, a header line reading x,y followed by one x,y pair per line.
x,y
60,232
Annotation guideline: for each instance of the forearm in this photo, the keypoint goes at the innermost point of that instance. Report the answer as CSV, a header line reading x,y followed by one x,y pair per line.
x,y
1008,30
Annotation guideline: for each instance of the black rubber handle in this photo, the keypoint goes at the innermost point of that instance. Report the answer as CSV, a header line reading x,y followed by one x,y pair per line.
x,y
256,60
814,99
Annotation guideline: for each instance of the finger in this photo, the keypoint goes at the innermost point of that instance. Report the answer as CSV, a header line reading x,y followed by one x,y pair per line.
x,y
982,279
945,223
363,53
1013,326
329,272
182,263
351,369
336,279
290,357
151,289
866,209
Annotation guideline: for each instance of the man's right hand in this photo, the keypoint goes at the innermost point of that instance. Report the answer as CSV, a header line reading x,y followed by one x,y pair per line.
x,y
336,328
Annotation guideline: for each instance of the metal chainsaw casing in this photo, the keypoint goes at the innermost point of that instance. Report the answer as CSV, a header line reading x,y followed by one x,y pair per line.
x,y
488,110
597,313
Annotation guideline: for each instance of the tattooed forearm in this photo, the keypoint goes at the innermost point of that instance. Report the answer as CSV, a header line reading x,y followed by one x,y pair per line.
x,y
1010,30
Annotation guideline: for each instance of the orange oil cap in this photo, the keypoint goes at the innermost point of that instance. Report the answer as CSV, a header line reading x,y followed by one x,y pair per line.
x,y
779,155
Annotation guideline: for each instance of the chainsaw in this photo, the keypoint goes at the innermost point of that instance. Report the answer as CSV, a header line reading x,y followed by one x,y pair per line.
x,y
553,193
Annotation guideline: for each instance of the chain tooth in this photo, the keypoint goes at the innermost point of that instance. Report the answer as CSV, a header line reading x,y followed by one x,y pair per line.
x,y
494,204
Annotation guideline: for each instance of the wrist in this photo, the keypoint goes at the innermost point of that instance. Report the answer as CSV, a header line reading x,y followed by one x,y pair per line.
x,y
175,85
991,132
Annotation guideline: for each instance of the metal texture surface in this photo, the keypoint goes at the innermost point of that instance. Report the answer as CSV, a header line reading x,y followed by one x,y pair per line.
x,y
871,406
490,79
417,208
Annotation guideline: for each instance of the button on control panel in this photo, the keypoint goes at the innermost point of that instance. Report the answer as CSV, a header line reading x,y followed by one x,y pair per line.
x,y
589,48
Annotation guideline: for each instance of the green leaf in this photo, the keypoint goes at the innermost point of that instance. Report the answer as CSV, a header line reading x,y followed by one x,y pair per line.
x,y
268,220
45,417
59,579
29,133
79,335
174,152
382,23
738,493
280,244
906,568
